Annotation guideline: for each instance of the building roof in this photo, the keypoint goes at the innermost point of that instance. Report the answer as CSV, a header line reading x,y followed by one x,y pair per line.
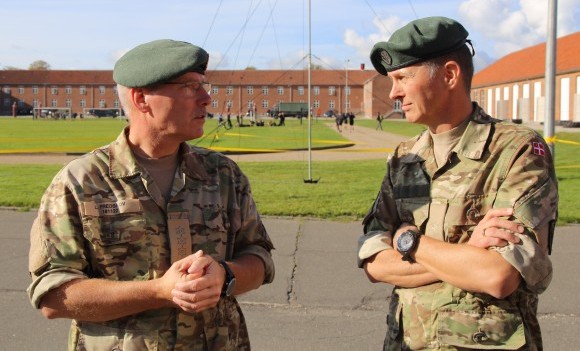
x,y
57,77
530,63
221,77
289,77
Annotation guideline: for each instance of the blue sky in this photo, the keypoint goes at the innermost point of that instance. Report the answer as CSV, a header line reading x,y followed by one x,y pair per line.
x,y
266,34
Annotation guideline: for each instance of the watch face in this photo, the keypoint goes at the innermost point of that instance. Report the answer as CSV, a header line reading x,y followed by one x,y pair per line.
x,y
405,242
231,287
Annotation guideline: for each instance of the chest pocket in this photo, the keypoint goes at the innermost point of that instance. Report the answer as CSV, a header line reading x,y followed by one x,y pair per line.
x,y
117,237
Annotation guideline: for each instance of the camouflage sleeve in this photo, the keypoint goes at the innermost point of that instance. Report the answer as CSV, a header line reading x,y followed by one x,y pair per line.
x,y
530,187
252,237
379,224
56,243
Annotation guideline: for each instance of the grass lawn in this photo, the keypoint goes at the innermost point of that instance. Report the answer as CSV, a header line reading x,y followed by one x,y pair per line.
x,y
346,189
80,136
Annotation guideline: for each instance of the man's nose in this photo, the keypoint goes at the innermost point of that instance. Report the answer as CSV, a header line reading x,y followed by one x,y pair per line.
x,y
395,92
204,98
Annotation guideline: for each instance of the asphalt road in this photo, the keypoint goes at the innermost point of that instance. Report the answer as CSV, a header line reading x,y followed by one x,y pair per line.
x,y
318,301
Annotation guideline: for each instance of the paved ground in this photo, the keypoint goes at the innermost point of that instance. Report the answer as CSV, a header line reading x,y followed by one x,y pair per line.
x,y
319,299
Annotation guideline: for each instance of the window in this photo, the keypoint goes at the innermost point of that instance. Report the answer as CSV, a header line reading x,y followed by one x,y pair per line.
x,y
214,89
316,104
316,90
250,90
116,103
54,103
229,104
20,90
35,89
265,103
331,104
265,90
347,90
115,90
214,103
347,105
102,89
300,90
397,105
83,90
68,90
280,90
6,90
331,90
35,103
68,103
102,103
229,90
250,105
54,90
83,103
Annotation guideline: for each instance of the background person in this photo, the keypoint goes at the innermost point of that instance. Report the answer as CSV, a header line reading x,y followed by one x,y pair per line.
x,y
143,243
463,222
379,121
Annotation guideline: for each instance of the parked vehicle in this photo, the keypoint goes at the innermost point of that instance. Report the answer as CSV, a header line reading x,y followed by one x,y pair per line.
x,y
290,109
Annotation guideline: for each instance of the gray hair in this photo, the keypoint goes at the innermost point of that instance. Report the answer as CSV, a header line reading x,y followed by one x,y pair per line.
x,y
464,59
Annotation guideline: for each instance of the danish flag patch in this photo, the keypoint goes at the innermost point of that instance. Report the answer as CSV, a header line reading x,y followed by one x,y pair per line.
x,y
538,148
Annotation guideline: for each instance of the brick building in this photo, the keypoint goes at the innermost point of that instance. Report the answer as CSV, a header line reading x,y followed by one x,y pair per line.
x,y
77,90
514,86
364,92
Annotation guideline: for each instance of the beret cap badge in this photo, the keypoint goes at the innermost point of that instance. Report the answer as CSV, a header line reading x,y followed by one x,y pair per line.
x,y
386,57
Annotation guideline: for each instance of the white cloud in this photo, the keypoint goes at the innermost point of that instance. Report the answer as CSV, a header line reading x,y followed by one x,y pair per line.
x,y
363,44
516,24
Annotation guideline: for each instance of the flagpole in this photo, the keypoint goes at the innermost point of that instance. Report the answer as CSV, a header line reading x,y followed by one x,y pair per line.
x,y
550,79
309,180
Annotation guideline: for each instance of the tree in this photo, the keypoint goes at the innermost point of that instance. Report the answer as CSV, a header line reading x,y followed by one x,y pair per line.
x,y
11,68
39,65
250,68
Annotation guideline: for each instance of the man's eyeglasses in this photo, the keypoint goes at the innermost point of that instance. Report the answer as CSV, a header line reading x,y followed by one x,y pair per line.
x,y
192,87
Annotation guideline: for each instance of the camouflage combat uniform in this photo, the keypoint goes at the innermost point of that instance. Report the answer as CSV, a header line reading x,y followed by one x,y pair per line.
x,y
495,165
103,217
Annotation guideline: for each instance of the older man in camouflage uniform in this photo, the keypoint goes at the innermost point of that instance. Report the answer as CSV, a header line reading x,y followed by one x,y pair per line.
x,y
464,219
145,242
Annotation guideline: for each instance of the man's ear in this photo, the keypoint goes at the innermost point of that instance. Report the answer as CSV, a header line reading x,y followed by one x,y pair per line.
x,y
452,72
138,100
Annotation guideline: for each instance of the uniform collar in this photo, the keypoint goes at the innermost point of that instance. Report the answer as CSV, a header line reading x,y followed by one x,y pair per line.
x,y
471,145
124,164
475,137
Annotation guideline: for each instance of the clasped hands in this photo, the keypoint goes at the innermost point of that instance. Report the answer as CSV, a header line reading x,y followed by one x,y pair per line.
x,y
194,283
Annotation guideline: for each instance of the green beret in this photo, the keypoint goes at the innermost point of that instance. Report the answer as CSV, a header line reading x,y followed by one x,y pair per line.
x,y
419,40
157,62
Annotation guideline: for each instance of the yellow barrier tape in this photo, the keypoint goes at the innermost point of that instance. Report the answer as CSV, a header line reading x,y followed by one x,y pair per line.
x,y
553,140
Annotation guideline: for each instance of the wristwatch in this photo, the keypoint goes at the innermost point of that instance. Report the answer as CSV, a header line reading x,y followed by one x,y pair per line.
x,y
407,243
229,282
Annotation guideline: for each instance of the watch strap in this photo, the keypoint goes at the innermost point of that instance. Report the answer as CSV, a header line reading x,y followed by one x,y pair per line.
x,y
229,280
